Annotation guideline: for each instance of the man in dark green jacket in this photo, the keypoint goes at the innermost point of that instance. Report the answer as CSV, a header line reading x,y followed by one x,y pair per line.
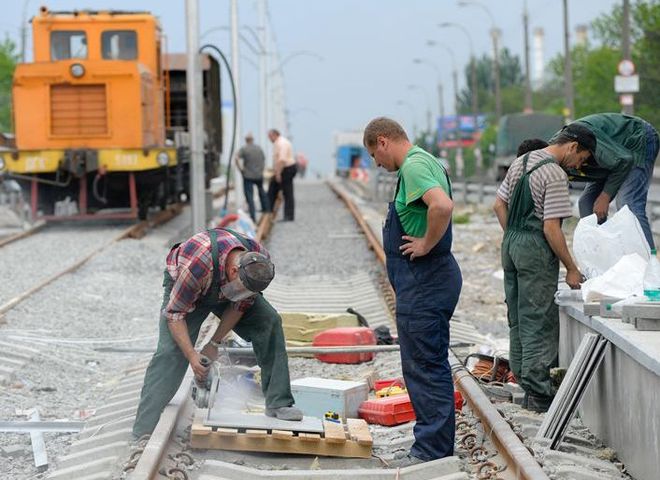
x,y
622,166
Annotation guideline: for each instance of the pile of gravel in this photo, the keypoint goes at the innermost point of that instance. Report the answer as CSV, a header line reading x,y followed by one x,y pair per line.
x,y
323,239
113,300
31,260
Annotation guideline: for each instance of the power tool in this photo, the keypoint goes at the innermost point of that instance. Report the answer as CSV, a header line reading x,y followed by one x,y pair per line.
x,y
203,392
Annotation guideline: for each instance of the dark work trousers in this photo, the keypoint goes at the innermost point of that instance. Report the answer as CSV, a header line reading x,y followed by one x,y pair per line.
x,y
427,291
287,190
248,188
531,270
260,324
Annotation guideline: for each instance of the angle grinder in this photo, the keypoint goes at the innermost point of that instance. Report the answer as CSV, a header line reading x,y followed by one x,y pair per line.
x,y
204,391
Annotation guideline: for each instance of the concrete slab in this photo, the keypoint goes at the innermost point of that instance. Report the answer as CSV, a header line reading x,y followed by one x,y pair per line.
x,y
95,466
237,419
445,469
105,438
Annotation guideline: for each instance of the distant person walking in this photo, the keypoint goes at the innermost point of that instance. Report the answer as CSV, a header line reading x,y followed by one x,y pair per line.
x,y
250,160
284,166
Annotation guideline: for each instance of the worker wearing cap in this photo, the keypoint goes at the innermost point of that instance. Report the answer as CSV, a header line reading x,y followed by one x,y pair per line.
x,y
530,204
221,272
417,239
622,166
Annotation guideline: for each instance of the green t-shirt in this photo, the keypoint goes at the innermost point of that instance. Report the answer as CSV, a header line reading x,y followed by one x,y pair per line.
x,y
419,172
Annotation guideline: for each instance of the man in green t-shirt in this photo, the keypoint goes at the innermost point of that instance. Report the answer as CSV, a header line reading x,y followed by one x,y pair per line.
x,y
427,281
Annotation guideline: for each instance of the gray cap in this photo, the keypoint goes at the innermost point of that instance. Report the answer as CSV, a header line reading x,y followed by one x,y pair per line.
x,y
255,271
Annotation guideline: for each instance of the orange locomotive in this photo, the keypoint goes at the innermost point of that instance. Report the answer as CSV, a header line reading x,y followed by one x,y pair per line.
x,y
92,117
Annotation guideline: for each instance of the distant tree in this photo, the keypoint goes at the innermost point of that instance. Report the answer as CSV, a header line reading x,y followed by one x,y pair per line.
x,y
511,80
8,59
594,67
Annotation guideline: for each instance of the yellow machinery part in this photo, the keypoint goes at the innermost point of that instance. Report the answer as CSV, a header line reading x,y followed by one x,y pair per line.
x,y
112,160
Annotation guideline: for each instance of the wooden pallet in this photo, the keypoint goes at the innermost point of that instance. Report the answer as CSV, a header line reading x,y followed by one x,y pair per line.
x,y
338,440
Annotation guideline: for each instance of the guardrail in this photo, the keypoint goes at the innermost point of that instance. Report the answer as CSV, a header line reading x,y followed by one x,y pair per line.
x,y
476,191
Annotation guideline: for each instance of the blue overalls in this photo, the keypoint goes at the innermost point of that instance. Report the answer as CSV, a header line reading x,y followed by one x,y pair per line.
x,y
427,291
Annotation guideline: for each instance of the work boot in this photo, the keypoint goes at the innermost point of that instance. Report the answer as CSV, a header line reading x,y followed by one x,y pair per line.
x,y
291,414
538,403
405,461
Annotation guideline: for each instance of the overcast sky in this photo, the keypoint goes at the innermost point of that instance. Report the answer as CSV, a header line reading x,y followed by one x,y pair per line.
x,y
367,48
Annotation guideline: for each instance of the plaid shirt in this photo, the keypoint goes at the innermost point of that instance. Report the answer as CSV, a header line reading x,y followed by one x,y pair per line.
x,y
191,267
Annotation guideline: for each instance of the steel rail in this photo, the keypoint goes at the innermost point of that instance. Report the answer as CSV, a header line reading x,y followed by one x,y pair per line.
x,y
26,233
518,458
148,464
134,231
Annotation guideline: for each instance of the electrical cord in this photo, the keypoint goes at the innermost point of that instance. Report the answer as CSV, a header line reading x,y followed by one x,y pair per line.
x,y
235,116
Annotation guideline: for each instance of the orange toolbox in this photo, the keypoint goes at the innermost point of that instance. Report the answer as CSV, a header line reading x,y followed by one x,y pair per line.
x,y
345,337
387,410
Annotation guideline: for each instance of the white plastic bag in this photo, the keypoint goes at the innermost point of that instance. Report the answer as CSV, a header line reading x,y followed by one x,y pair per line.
x,y
598,247
624,279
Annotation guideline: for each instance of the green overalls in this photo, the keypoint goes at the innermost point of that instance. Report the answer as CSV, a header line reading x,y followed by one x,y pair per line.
x,y
531,270
261,325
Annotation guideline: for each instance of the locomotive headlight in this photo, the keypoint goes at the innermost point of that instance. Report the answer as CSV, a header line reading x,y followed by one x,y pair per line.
x,y
77,70
163,159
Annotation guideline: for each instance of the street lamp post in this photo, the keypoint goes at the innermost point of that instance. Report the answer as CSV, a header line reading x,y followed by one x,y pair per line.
x,y
427,101
568,68
412,113
473,69
441,103
495,35
454,71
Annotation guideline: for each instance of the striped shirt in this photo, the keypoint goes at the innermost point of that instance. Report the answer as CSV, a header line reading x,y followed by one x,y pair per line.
x,y
191,267
548,184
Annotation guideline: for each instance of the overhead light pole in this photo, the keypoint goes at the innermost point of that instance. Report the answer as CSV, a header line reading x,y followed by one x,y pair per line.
x,y
473,71
441,103
195,117
569,111
495,36
412,113
427,101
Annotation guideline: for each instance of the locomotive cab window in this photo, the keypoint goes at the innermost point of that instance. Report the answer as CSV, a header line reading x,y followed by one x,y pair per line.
x,y
66,44
119,45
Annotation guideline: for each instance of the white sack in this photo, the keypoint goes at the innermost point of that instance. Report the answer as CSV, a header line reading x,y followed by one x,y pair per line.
x,y
624,279
598,247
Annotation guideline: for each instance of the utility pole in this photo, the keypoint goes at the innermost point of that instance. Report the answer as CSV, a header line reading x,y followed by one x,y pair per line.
x,y
263,73
495,32
528,81
475,98
441,110
569,112
195,117
628,108
235,67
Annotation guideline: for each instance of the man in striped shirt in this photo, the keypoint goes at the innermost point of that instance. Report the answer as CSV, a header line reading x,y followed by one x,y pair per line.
x,y
530,204
222,272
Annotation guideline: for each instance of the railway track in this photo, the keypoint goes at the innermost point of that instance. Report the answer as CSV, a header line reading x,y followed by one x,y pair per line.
x,y
488,443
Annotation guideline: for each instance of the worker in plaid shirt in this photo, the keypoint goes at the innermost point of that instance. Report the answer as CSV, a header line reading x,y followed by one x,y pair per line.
x,y
222,272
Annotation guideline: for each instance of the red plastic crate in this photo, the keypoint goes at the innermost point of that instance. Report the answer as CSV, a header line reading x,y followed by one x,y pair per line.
x,y
387,410
384,383
341,337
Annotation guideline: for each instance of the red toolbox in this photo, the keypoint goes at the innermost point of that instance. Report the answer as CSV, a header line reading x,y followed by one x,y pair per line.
x,y
345,337
387,410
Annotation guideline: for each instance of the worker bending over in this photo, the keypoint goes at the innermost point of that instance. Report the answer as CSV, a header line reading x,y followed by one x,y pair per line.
x,y
530,204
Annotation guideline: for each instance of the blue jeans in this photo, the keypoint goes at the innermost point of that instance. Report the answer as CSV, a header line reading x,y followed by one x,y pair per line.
x,y
634,189
248,188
